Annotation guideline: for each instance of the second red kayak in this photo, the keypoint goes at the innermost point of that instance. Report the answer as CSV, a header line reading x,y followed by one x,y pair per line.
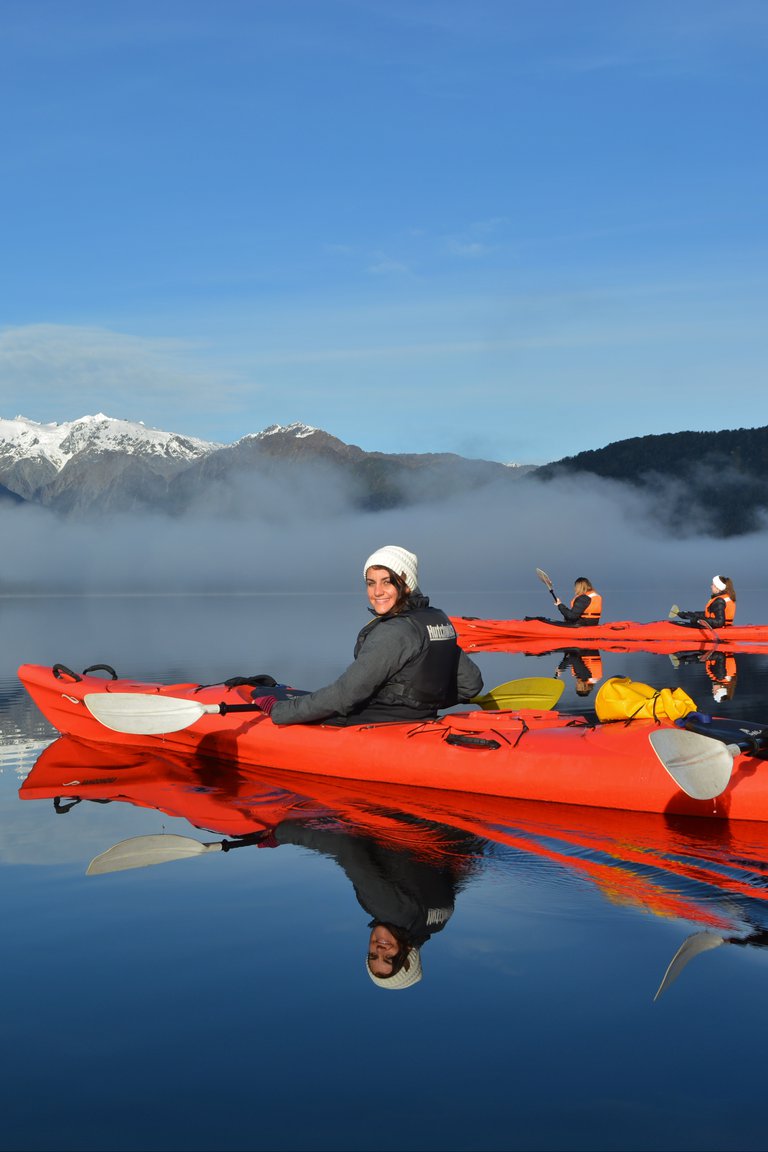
x,y
478,634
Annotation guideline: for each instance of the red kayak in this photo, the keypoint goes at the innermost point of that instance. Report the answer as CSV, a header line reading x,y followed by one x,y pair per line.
x,y
618,635
645,766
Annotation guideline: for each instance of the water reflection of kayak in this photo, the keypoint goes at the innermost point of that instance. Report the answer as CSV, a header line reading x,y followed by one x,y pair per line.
x,y
532,755
710,873
624,853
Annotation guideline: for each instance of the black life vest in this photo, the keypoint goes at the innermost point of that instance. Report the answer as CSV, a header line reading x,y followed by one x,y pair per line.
x,y
428,682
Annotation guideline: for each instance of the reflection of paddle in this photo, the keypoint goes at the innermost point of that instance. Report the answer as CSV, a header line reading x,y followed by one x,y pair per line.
x,y
141,851
546,580
699,942
151,714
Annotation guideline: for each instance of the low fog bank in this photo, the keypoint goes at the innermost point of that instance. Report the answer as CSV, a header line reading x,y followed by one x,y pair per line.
x,y
488,540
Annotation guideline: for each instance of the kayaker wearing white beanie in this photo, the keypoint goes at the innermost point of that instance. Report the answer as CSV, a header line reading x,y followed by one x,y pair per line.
x,y
720,610
407,664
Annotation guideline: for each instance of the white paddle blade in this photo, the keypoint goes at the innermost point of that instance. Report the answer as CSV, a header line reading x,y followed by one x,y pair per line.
x,y
699,765
544,578
143,714
699,942
141,851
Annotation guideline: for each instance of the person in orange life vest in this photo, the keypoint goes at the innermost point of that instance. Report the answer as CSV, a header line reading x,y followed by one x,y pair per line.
x,y
587,668
720,610
586,605
722,671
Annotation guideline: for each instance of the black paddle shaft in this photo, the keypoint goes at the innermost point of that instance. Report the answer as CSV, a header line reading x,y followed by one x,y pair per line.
x,y
224,708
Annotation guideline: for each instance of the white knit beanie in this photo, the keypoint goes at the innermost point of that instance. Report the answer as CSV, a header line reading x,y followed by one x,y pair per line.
x,y
399,561
401,979
719,583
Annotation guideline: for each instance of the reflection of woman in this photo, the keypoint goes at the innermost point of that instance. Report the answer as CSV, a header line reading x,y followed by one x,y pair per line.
x,y
585,607
410,895
407,662
722,671
720,609
586,665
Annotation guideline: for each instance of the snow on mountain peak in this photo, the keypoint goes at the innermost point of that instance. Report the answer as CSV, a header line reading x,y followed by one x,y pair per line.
x,y
58,443
297,429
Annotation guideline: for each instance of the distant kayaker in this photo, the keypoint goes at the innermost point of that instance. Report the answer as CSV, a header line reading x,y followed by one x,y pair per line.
x,y
407,665
585,607
720,610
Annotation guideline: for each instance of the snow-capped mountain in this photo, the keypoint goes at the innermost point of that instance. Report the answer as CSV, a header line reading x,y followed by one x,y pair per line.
x,y
33,456
57,444
98,464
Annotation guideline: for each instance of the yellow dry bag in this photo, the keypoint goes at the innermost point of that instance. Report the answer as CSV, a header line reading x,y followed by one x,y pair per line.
x,y
623,699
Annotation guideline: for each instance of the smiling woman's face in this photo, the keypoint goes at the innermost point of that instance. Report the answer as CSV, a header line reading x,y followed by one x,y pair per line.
x,y
382,949
382,592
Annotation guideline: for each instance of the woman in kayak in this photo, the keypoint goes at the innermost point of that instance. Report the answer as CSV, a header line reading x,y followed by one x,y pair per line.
x,y
586,605
720,610
407,662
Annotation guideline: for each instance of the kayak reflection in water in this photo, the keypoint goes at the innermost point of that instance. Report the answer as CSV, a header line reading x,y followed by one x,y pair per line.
x,y
410,895
407,664
720,609
586,665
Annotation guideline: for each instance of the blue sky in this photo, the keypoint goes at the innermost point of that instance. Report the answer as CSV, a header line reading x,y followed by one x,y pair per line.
x,y
507,228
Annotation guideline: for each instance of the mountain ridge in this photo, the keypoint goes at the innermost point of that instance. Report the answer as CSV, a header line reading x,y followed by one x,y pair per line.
x,y
716,482
98,464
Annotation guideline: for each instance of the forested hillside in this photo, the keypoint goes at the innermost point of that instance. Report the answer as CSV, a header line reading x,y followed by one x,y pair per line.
x,y
714,482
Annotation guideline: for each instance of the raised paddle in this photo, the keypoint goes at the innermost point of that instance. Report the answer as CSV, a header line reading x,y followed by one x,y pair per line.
x,y
152,714
546,580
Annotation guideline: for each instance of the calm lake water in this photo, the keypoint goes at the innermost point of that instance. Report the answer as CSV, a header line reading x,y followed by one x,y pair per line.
x,y
222,1002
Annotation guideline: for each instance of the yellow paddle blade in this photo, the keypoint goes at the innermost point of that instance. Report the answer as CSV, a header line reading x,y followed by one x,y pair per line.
x,y
537,692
